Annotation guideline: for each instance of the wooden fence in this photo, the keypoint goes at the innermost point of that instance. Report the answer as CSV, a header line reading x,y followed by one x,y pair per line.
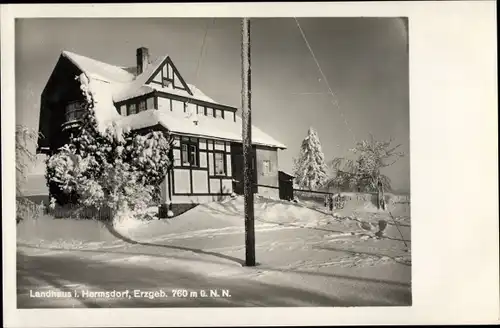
x,y
77,211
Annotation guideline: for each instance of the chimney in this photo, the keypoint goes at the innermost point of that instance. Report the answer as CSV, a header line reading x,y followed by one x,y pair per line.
x,y
142,59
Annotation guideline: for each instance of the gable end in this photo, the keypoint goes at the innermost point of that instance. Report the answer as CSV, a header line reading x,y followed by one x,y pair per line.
x,y
167,74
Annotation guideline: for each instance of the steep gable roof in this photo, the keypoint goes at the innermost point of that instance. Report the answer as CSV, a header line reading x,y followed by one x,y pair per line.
x,y
126,84
115,84
99,70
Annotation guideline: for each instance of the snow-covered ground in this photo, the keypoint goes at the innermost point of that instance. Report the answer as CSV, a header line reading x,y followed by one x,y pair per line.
x,y
306,257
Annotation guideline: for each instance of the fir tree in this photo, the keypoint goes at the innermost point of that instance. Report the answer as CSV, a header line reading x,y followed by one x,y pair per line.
x,y
310,168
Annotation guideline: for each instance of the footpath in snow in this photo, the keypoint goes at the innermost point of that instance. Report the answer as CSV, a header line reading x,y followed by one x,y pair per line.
x,y
300,250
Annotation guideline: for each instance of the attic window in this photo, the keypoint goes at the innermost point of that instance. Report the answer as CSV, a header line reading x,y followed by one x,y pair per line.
x,y
150,103
132,109
142,106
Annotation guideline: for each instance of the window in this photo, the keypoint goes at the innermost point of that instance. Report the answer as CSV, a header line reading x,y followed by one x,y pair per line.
x,y
266,167
150,103
190,154
210,111
177,157
219,164
132,109
218,113
142,106
177,106
75,111
185,155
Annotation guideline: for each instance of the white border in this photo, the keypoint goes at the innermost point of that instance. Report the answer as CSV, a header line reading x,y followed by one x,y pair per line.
x,y
454,161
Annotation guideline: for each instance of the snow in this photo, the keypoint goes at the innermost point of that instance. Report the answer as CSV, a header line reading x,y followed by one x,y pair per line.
x,y
197,93
110,84
126,84
137,87
304,259
104,108
98,69
206,127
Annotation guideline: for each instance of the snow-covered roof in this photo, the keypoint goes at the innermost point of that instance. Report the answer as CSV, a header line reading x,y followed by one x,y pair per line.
x,y
110,84
181,123
125,84
99,70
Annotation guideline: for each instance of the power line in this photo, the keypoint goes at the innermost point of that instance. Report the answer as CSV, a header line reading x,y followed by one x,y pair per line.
x,y
200,56
310,93
334,98
202,50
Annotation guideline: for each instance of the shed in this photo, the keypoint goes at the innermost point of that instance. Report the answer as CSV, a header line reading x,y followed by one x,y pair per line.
x,y
285,185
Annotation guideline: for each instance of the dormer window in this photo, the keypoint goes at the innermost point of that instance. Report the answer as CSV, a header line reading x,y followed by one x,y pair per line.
x,y
142,106
132,109
150,103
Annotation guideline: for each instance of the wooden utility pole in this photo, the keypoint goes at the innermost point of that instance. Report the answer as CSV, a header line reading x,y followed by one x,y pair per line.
x,y
246,96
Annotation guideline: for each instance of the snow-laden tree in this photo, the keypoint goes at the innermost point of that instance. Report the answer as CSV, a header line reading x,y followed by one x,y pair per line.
x,y
115,168
310,168
364,171
26,140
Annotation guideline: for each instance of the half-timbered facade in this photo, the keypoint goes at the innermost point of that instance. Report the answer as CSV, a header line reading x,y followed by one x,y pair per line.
x,y
207,152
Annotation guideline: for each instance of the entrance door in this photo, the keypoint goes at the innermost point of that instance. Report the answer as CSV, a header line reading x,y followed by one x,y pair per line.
x,y
237,168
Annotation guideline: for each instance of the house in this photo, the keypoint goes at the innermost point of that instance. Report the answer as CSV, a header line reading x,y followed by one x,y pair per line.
x,y
153,95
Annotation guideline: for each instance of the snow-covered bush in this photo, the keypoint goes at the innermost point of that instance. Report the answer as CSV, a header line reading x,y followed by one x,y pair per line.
x,y
111,167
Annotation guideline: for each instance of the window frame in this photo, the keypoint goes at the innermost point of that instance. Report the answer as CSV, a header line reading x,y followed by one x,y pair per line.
x,y
129,108
266,169
193,154
223,160
152,101
184,154
141,102
190,153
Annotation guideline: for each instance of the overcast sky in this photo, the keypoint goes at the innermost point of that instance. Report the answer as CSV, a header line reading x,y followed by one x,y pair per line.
x,y
365,61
